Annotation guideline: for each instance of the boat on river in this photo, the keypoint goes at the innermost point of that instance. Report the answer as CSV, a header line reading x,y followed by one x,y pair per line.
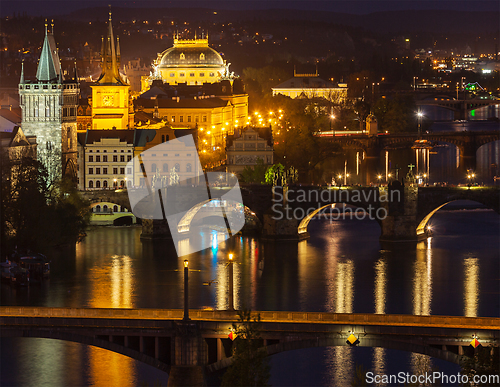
x,y
37,267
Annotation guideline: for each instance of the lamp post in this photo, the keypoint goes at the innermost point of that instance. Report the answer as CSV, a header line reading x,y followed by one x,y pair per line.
x,y
379,177
419,116
332,117
230,284
186,294
340,181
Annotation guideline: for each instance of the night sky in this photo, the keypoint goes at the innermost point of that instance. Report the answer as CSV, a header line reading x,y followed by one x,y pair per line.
x,y
56,7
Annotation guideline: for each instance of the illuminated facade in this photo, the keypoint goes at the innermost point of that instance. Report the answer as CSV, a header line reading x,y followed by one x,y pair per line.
x,y
311,86
246,150
190,61
49,107
111,101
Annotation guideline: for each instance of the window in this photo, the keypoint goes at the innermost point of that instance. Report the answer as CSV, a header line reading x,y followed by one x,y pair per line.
x,y
202,56
115,158
204,118
115,171
188,168
91,184
122,183
122,171
182,75
129,158
197,118
165,167
177,167
105,159
97,208
98,159
91,171
153,167
212,74
191,75
182,56
202,74
91,159
105,184
162,138
177,155
98,184
129,171
181,119
172,75
115,208
105,208
173,119
189,118
141,181
98,171
122,158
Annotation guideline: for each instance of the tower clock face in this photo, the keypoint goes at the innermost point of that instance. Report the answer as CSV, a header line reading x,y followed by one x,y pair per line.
x,y
107,100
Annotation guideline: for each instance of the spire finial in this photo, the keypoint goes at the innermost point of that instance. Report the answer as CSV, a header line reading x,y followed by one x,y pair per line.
x,y
109,5
46,27
21,81
52,27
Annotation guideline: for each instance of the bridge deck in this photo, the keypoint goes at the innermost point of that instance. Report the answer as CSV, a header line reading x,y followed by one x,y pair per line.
x,y
483,323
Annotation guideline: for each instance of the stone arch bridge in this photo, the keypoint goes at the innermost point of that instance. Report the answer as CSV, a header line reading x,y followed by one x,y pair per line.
x,y
162,338
402,212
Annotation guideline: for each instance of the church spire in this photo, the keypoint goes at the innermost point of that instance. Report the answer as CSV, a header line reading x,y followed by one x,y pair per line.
x,y
49,66
110,59
21,81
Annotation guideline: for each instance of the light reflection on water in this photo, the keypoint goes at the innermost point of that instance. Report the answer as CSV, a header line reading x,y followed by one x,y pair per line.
x,y
331,272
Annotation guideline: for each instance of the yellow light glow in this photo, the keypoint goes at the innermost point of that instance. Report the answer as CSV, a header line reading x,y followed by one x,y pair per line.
x,y
186,263
230,257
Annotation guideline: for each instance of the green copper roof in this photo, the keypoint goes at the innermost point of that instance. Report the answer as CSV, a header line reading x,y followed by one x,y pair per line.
x,y
49,66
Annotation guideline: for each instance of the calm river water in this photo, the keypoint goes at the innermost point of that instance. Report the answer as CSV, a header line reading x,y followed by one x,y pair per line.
x,y
342,268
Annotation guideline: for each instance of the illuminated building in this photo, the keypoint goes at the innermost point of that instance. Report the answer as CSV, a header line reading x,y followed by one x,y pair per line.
x,y
311,86
215,109
246,150
111,102
102,158
49,106
190,61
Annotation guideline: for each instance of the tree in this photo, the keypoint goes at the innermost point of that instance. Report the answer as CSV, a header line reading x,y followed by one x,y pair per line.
x,y
34,216
255,174
486,361
250,366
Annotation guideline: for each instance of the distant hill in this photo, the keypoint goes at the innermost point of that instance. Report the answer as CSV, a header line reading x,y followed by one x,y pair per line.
x,y
384,22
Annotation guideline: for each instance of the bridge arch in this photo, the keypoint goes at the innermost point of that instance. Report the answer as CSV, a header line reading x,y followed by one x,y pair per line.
x,y
184,224
423,225
341,342
92,341
304,223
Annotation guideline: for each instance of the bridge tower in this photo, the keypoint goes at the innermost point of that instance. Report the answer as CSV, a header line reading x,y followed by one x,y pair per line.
x,y
401,205
49,106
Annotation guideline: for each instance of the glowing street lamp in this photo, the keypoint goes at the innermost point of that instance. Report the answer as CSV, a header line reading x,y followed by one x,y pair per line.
x,y
419,116
379,177
230,284
186,287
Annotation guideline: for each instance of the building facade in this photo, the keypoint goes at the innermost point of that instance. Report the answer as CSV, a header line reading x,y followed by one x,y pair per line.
x,y
111,101
246,150
311,86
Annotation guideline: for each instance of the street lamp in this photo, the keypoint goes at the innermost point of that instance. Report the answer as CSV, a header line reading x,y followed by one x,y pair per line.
x,y
332,117
379,177
419,116
230,282
186,295
340,181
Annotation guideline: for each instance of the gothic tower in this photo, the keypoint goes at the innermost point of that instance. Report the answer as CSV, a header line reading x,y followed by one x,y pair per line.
x,y
111,102
49,106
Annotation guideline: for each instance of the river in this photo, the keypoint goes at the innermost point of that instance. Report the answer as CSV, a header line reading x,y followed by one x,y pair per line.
x,y
342,268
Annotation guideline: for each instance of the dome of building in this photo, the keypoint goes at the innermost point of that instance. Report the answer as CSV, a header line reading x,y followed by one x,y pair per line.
x,y
190,61
191,57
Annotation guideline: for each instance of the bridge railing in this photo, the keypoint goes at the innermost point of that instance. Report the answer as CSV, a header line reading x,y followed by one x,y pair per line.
x,y
490,323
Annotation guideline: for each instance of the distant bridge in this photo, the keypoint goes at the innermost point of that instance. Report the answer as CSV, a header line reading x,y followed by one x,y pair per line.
x,y
407,214
159,337
459,106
